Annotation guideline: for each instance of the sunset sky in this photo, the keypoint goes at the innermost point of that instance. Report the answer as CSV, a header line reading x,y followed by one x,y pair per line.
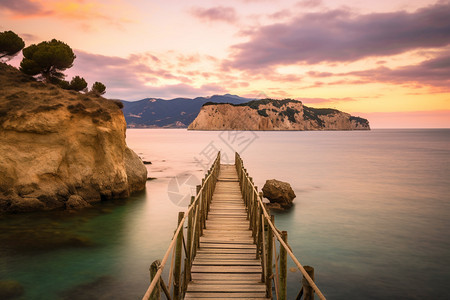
x,y
385,60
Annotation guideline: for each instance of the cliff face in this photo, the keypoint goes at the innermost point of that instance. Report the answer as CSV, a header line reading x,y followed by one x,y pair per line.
x,y
61,148
270,114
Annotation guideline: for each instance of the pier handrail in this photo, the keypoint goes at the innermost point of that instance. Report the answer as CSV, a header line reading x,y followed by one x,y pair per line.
x,y
246,182
207,186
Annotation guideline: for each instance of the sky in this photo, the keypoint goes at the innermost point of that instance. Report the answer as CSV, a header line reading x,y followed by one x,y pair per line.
x,y
385,60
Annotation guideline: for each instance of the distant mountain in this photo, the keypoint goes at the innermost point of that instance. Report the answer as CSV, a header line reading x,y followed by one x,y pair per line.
x,y
174,113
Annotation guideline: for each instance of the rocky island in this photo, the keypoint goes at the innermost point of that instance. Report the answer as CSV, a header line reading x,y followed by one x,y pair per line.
x,y
270,114
61,148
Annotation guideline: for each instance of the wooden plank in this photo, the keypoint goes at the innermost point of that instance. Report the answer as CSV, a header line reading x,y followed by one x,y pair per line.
x,y
246,288
225,277
229,246
226,213
252,295
226,269
226,262
212,255
226,233
226,240
221,218
226,251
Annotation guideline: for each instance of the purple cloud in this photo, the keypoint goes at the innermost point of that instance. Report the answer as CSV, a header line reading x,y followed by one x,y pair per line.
x,y
340,36
22,7
434,72
219,13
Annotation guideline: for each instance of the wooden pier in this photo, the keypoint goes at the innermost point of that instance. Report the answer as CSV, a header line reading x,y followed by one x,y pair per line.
x,y
226,265
225,246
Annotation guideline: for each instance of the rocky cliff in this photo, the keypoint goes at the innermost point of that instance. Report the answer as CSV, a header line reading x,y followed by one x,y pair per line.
x,y
61,149
269,114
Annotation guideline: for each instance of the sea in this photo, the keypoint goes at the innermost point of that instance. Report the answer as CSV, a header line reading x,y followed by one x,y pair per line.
x,y
372,215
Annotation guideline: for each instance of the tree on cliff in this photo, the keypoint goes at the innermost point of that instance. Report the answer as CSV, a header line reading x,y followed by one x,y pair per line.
x,y
98,88
47,59
78,84
10,44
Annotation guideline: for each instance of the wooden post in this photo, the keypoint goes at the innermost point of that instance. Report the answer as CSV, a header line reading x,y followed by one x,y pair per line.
x,y
260,228
196,228
177,293
251,207
283,268
156,294
208,195
308,292
190,231
200,212
203,203
269,272
254,217
263,249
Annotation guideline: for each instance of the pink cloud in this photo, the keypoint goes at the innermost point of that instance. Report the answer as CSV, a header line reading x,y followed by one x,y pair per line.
x,y
218,13
129,78
309,3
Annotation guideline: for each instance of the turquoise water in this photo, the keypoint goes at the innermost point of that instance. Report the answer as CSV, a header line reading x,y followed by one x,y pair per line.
x,y
372,215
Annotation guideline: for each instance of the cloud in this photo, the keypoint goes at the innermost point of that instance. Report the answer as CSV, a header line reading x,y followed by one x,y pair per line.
x,y
218,13
24,7
285,13
84,13
309,3
138,76
341,36
326,100
434,72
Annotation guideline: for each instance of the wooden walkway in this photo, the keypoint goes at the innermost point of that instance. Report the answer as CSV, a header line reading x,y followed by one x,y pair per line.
x,y
226,266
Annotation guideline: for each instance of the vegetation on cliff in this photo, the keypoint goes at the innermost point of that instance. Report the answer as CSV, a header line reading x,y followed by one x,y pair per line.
x,y
10,44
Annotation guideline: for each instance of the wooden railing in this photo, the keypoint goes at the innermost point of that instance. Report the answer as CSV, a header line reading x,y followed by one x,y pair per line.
x,y
265,234
184,249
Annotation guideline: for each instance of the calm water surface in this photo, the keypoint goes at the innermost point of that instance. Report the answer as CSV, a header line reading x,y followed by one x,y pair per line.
x,y
372,215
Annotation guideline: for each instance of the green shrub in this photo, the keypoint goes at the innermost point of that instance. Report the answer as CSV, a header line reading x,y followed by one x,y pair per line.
x,y
262,112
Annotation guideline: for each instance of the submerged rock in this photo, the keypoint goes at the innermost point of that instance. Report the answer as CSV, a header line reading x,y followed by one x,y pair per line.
x,y
280,194
75,202
103,287
55,144
10,289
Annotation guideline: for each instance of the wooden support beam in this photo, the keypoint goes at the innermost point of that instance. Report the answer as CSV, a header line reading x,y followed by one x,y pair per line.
x,y
177,292
156,294
283,269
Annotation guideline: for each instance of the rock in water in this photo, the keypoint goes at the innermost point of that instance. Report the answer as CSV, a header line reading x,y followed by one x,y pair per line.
x,y
75,202
56,144
279,193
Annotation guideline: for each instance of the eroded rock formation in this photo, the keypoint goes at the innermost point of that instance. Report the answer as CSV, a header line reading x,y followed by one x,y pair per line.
x,y
61,148
271,114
